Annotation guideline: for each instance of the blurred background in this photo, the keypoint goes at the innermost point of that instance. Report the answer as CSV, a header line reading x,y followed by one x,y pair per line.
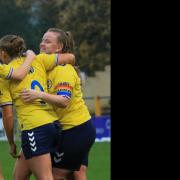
x,y
90,24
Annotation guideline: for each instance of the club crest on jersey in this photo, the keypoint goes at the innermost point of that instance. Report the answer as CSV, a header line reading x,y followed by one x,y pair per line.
x,y
49,83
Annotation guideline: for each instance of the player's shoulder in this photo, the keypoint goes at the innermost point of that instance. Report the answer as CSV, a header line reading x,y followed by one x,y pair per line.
x,y
41,56
44,55
63,70
40,59
65,66
16,61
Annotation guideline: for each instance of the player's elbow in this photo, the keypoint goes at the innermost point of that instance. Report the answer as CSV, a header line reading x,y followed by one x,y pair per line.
x,y
63,103
19,76
73,59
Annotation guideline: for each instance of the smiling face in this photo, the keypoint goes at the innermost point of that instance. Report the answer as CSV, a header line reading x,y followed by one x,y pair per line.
x,y
50,44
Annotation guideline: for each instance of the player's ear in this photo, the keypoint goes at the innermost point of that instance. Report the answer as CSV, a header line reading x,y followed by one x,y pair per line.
x,y
60,47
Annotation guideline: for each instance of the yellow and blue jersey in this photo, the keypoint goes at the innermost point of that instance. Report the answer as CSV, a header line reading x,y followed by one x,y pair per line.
x,y
36,113
5,71
5,96
64,81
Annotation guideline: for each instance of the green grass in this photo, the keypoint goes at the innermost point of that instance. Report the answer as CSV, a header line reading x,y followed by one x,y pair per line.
x,y
99,161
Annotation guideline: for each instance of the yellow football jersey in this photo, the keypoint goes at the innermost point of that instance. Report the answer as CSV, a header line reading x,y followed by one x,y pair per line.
x,y
5,97
36,113
5,71
63,80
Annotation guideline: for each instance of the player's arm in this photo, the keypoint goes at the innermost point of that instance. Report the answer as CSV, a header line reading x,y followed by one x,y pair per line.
x,y
66,58
64,82
8,122
23,70
56,100
49,61
7,114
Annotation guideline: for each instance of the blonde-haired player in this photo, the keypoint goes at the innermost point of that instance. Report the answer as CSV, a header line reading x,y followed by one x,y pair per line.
x,y
39,132
65,94
8,72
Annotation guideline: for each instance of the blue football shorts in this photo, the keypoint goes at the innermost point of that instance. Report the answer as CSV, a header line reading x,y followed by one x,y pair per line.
x,y
74,147
41,140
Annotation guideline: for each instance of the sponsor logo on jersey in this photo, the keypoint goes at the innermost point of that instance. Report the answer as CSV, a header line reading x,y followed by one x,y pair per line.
x,y
31,70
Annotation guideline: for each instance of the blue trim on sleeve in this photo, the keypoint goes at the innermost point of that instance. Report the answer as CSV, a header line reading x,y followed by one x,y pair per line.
x,y
10,74
64,93
6,104
56,59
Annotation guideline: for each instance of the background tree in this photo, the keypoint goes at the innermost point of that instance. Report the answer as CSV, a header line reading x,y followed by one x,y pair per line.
x,y
42,15
11,21
88,20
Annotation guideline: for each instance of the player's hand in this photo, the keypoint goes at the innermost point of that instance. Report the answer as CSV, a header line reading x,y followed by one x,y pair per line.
x,y
13,151
30,54
29,95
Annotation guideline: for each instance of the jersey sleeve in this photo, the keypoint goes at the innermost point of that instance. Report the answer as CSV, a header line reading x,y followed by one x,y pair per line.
x,y
64,82
49,61
5,96
5,71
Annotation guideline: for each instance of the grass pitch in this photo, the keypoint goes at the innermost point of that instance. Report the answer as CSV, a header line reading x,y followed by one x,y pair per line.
x,y
99,161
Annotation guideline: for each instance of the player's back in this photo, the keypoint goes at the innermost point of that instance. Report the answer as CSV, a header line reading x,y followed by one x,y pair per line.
x,y
36,113
5,71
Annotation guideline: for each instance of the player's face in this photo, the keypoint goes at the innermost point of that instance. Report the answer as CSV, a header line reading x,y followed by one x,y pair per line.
x,y
49,43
